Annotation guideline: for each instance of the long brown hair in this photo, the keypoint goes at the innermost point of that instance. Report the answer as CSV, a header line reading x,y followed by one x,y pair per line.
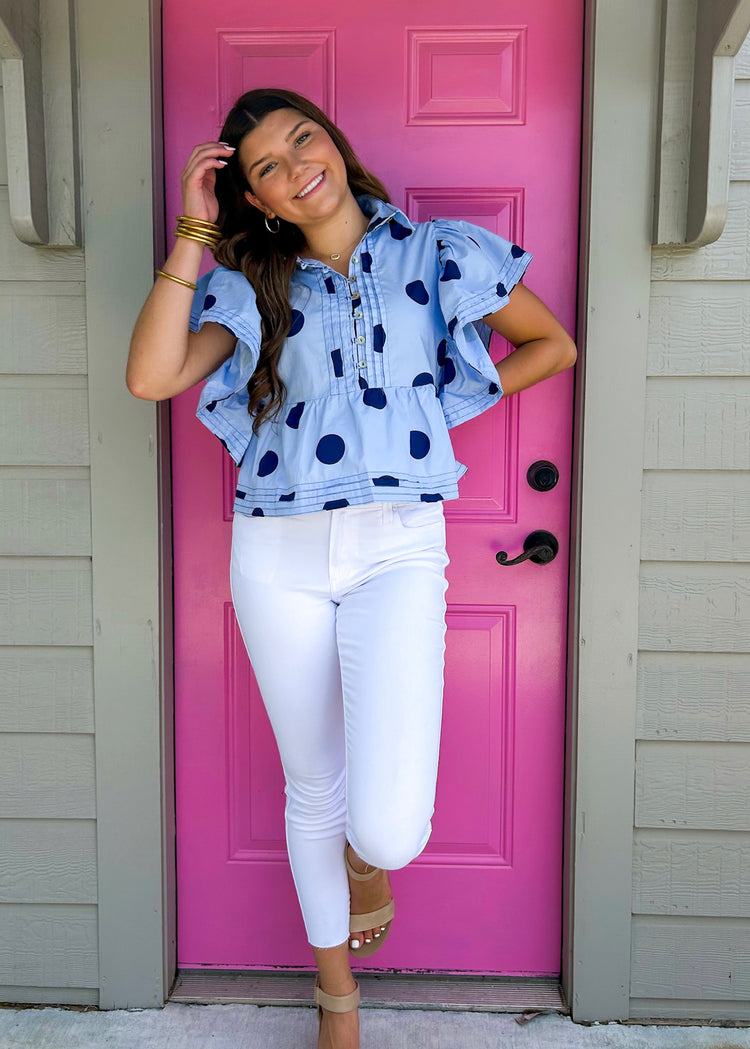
x,y
266,259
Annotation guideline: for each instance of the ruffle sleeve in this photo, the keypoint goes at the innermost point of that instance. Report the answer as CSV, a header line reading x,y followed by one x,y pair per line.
x,y
478,271
226,297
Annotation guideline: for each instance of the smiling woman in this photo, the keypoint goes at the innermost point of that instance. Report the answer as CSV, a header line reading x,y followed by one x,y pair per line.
x,y
295,171
340,344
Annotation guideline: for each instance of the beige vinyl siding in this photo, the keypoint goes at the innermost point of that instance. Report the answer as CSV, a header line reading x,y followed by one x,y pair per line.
x,y
48,914
691,859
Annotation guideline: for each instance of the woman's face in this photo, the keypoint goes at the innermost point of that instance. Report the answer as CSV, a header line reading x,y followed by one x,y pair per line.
x,y
293,168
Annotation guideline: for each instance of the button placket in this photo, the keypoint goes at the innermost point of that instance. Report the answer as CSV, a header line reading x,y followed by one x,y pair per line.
x,y
358,339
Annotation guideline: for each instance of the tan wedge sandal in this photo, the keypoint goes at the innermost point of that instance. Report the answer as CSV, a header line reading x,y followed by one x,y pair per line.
x,y
334,1003
371,919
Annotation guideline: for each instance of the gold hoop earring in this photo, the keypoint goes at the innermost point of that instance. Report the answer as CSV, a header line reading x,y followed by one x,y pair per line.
x,y
278,225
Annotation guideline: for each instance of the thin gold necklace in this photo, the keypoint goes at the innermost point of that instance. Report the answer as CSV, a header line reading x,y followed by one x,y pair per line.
x,y
337,254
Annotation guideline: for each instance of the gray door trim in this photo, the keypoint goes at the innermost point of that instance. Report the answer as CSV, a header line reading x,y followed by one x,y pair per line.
x,y
119,62
121,139
620,92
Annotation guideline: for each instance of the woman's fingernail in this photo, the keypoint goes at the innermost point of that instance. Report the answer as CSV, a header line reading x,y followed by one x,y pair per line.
x,y
222,162
226,145
355,944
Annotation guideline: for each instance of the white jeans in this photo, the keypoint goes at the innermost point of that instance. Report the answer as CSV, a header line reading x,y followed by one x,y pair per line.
x,y
343,616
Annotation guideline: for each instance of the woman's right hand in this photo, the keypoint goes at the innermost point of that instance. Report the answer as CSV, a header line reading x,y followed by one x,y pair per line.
x,y
198,180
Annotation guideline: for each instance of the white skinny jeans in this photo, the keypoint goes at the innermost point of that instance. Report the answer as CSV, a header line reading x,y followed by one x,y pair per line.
x,y
343,616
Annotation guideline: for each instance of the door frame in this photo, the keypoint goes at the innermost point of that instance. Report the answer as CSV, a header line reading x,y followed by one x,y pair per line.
x,y
119,54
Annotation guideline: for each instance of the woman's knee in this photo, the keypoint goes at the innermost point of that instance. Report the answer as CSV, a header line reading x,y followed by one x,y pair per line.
x,y
389,847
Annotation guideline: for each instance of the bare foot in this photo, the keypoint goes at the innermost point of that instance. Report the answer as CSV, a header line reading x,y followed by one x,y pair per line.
x,y
367,896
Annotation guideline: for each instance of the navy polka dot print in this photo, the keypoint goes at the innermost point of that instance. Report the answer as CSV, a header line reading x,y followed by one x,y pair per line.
x,y
417,291
268,464
295,414
419,444
357,427
298,323
451,271
330,449
375,397
399,232
257,512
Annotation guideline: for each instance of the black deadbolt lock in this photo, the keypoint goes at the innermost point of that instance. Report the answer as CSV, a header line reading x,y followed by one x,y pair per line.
x,y
542,475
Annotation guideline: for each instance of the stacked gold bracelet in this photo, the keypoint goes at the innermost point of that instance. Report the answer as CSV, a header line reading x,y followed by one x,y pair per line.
x,y
207,233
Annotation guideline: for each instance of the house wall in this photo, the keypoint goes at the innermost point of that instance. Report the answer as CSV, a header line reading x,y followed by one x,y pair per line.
x,y
87,888
691,852
48,869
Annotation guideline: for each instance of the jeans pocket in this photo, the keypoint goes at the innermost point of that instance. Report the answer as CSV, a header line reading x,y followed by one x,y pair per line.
x,y
419,515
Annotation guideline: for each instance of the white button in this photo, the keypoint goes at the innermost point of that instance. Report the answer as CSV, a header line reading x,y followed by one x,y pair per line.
x,y
361,364
352,280
355,260
360,339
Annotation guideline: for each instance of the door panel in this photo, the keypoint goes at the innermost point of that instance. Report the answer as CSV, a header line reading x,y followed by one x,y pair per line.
x,y
470,113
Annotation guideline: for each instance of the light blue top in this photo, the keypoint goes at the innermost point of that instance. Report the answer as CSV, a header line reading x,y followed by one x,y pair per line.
x,y
377,366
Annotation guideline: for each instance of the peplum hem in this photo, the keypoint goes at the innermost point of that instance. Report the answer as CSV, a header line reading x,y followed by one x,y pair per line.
x,y
334,451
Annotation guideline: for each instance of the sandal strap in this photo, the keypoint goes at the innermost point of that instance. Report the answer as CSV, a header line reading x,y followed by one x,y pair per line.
x,y
337,1003
371,919
355,874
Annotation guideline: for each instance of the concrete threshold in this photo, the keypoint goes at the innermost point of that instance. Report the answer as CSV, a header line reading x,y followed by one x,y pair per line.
x,y
236,1026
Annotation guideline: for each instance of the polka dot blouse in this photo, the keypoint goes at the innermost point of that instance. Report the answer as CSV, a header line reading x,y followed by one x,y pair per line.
x,y
378,366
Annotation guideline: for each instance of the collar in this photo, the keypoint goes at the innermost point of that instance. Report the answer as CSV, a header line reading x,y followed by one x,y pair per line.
x,y
379,212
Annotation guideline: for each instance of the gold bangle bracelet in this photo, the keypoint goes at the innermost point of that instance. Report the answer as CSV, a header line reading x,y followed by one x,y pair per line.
x,y
210,242
177,280
188,221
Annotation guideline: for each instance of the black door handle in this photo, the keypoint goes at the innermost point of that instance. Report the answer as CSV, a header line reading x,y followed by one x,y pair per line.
x,y
540,547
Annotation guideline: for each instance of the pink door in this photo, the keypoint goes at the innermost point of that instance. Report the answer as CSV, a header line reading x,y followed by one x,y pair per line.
x,y
465,111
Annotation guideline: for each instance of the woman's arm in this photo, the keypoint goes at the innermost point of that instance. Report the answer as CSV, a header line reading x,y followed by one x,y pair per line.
x,y
165,356
542,346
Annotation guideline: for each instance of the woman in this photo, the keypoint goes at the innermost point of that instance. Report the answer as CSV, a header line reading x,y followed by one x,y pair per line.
x,y
340,342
